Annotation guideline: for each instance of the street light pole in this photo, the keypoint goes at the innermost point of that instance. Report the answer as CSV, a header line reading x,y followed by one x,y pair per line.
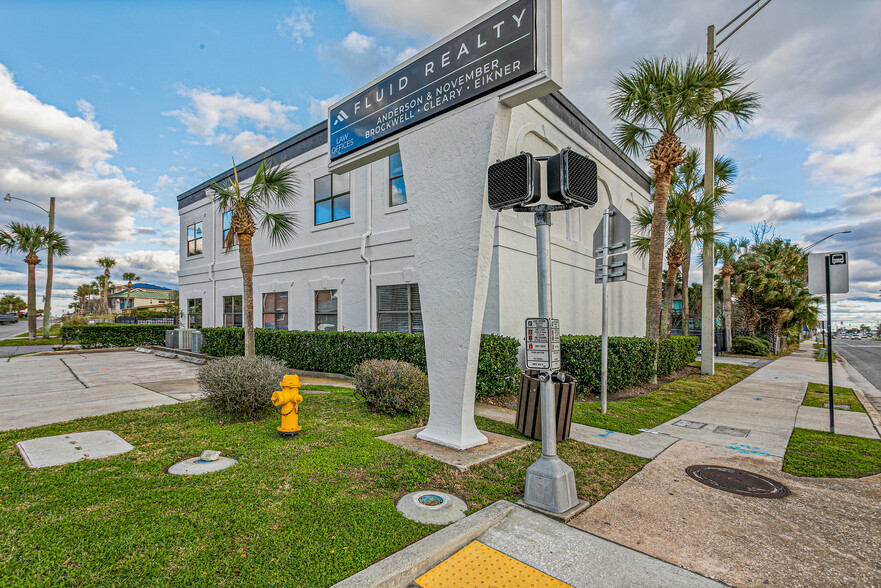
x,y
811,246
708,310
47,306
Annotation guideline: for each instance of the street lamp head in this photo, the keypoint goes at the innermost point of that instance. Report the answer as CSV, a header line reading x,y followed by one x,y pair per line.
x,y
7,198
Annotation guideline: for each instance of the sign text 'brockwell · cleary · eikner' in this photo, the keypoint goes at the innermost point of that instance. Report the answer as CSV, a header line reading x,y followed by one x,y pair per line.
x,y
492,54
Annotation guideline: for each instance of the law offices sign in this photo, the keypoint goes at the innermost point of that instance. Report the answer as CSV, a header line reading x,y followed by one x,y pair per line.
x,y
509,45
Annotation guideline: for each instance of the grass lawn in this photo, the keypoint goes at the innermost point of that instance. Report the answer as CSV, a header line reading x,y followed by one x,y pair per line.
x,y
817,394
308,511
671,400
819,454
22,339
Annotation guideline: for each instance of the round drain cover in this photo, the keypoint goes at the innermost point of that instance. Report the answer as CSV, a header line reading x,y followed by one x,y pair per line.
x,y
737,481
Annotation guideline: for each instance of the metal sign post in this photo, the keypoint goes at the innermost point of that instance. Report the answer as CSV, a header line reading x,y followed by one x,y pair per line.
x,y
611,267
828,274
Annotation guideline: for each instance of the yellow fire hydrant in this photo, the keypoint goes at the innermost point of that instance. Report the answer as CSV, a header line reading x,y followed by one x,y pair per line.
x,y
289,399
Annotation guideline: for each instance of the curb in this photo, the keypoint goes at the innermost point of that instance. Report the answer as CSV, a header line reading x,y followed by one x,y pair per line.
x,y
79,351
399,569
864,386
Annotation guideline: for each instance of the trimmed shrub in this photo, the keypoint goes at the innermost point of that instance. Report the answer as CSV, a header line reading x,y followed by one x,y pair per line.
x,y
630,361
676,352
392,387
750,346
241,387
341,352
114,335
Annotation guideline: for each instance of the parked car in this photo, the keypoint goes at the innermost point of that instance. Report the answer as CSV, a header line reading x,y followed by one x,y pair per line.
x,y
8,319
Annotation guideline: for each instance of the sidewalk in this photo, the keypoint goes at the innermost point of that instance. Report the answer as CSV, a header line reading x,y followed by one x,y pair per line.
x,y
696,535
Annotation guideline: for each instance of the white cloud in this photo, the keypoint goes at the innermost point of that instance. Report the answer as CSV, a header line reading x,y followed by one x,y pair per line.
x,y
363,56
318,108
769,207
215,119
298,25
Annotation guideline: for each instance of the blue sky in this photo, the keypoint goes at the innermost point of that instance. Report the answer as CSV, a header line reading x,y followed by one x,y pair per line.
x,y
116,107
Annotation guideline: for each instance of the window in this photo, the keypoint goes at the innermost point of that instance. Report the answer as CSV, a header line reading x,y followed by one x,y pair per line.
x,y
232,311
326,310
332,198
194,239
398,309
396,189
194,313
226,224
275,311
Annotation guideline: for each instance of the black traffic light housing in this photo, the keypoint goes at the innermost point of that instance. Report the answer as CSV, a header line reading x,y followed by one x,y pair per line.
x,y
514,182
572,179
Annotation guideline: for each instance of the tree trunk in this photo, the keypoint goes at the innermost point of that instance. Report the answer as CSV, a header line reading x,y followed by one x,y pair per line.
x,y
686,266
656,257
729,317
246,262
104,302
32,260
669,292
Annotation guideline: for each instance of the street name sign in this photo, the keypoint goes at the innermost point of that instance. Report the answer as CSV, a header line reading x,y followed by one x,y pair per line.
x,y
543,344
838,273
512,51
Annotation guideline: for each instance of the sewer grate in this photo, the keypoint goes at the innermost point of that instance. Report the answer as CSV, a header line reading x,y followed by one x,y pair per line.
x,y
737,481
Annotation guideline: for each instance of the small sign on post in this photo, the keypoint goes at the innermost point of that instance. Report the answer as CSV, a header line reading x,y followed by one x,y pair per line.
x,y
543,344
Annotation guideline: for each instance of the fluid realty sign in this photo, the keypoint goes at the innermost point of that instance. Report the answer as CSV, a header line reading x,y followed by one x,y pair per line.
x,y
496,52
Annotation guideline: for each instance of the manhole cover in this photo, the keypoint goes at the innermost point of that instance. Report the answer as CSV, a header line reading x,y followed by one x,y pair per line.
x,y
737,481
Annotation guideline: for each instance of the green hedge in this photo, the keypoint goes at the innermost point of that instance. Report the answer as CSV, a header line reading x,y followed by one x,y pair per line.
x,y
114,335
340,352
677,352
750,346
630,359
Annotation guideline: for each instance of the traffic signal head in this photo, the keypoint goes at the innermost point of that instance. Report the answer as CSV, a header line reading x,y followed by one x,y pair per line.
x,y
572,179
514,182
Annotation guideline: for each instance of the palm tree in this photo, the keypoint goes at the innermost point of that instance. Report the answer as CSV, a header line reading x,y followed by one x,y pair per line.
x,y
659,99
727,254
106,263
688,181
130,277
29,239
275,187
13,302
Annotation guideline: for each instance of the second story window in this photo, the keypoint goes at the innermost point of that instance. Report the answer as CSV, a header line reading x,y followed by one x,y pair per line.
x,y
396,189
194,239
226,223
332,202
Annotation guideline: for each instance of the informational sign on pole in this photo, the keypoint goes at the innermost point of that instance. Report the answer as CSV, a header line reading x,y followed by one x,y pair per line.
x,y
542,344
827,274
611,240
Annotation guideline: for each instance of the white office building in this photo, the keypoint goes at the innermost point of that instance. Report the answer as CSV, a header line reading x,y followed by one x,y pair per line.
x,y
352,267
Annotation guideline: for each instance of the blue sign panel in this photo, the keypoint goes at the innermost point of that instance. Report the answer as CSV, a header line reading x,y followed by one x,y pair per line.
x,y
496,52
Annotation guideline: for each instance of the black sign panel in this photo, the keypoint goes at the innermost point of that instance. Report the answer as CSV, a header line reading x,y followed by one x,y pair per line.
x,y
497,52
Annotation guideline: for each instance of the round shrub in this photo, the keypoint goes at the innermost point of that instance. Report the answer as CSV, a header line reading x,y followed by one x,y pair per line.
x,y
750,346
241,387
392,387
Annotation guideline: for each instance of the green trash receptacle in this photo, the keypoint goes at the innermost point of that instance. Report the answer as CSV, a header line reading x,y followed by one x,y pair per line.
x,y
528,420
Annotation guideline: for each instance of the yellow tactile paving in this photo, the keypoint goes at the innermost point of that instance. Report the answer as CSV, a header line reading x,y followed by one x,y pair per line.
x,y
479,566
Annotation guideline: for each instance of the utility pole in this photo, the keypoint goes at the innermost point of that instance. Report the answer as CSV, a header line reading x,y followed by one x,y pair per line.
x,y
708,310
47,307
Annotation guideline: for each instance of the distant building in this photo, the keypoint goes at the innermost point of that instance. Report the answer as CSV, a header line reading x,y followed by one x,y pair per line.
x,y
141,297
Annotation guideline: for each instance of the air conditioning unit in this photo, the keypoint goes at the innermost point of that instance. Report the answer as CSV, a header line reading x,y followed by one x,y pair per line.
x,y
171,339
185,338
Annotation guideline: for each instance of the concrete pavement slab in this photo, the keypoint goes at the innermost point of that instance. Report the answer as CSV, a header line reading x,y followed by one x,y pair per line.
x,y
578,558
857,424
824,534
72,447
498,446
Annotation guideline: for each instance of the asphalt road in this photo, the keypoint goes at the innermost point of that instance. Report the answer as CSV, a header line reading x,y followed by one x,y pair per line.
x,y
865,356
